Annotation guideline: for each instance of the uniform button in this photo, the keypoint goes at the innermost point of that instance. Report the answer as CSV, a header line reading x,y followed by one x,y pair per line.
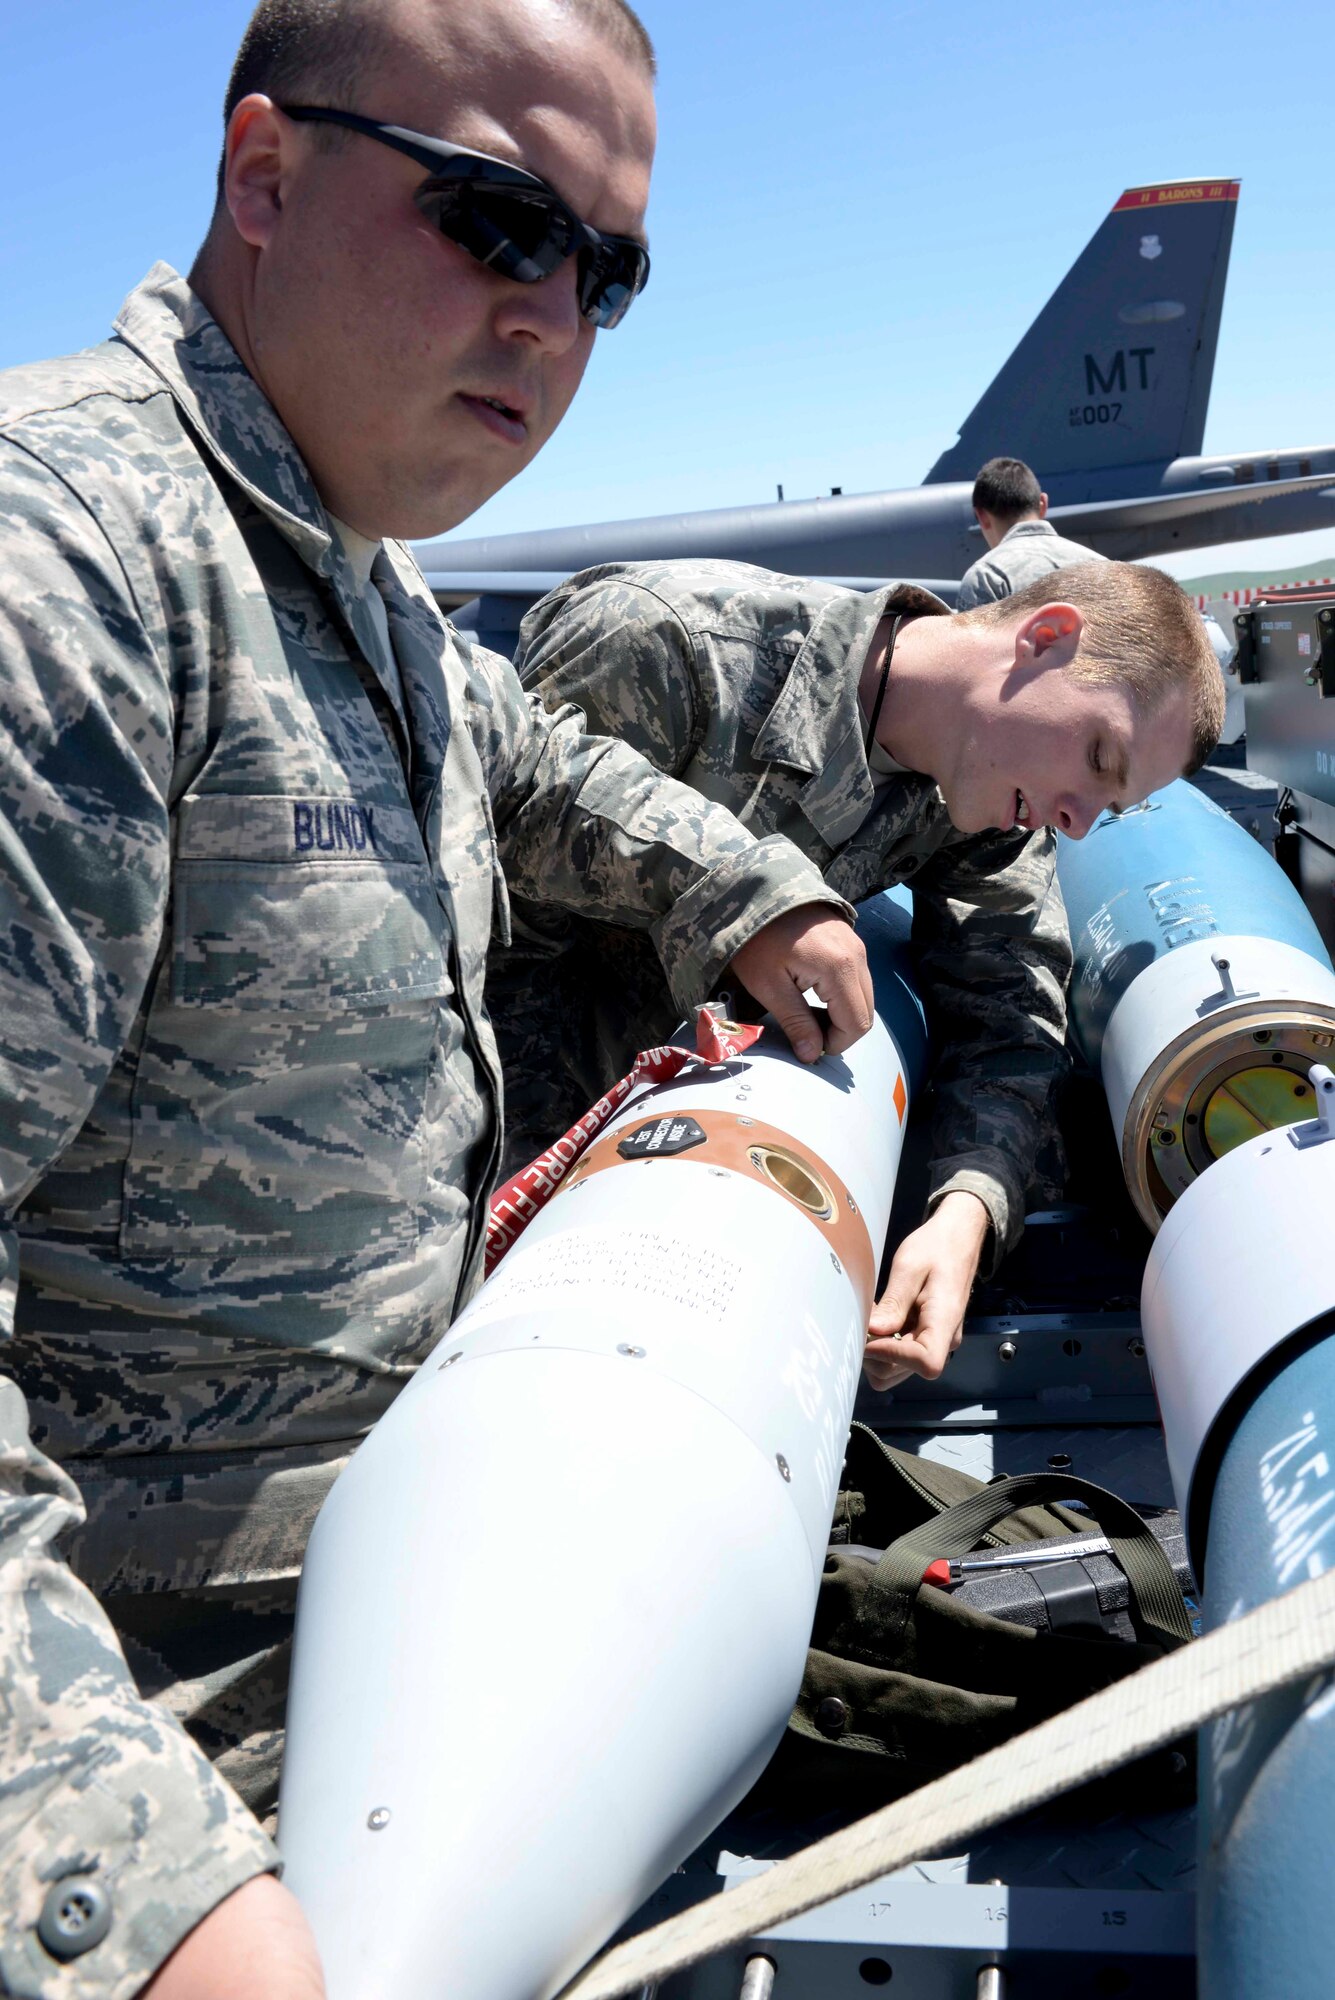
x,y
75,1916
832,1716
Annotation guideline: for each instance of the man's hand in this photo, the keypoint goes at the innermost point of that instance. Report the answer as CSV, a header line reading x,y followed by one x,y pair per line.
x,y
810,948
256,1942
919,1321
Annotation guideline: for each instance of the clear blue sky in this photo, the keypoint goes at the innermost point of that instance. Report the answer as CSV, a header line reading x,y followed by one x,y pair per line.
x,y
858,208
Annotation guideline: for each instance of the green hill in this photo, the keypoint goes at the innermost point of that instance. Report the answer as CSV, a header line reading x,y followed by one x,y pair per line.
x,y
1249,579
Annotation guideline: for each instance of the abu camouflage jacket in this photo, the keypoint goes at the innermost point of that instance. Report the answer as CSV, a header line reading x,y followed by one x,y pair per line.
x,y
249,864
744,684
1027,551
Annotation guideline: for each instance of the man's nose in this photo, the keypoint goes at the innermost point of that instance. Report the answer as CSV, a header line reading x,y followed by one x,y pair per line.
x,y
1074,816
547,313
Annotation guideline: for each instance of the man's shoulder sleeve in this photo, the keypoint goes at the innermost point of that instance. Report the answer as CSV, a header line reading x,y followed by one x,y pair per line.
x,y
985,583
86,745
55,392
621,651
75,637
1073,553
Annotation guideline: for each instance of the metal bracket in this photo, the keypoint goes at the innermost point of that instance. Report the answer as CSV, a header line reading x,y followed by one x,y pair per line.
x,y
1228,993
1316,1131
1244,660
1325,662
1321,674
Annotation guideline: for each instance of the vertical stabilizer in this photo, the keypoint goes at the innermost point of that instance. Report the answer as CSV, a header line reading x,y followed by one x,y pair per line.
x,y
1115,371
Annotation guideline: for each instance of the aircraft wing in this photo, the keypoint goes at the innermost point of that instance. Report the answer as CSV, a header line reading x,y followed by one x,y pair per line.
x,y
1126,529
1093,517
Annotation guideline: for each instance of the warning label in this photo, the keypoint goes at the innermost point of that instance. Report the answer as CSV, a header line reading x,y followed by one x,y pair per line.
x,y
661,1138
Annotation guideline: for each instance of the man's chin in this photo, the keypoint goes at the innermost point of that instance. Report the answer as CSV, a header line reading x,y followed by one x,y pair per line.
x,y
444,506
963,818
429,521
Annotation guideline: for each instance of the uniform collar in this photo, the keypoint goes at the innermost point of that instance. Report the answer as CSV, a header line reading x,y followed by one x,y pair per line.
x,y
816,724
171,331
1027,528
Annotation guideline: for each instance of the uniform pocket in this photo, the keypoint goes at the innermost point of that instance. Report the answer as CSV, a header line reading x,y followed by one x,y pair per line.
x,y
287,939
278,1104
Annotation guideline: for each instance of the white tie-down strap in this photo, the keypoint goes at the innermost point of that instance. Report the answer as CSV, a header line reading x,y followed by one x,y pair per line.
x,y
1281,1642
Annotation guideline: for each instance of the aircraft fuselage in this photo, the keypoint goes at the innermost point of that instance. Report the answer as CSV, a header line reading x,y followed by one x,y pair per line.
x,y
930,531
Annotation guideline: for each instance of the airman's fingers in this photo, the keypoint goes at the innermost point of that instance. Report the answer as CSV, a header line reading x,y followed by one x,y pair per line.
x,y
882,1366
796,1018
926,1351
909,1273
846,990
918,1321
810,948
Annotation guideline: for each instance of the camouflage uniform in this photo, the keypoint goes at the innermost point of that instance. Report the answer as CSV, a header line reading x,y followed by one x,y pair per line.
x,y
249,862
744,683
1025,552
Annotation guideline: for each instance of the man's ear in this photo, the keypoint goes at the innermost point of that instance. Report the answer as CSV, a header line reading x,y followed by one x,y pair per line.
x,y
1049,637
259,146
1042,506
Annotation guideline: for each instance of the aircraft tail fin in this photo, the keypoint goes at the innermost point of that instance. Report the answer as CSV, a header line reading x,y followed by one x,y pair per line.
x,y
1116,369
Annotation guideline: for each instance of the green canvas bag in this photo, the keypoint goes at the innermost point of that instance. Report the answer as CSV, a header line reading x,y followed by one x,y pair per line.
x,y
904,1681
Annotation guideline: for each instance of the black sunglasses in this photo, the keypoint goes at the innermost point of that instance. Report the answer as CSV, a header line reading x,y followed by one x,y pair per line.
x,y
508,219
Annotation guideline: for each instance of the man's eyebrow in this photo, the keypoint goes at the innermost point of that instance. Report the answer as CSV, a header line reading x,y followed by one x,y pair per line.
x,y
514,156
639,236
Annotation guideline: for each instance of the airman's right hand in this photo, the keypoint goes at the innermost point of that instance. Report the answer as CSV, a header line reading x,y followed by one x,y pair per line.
x,y
812,948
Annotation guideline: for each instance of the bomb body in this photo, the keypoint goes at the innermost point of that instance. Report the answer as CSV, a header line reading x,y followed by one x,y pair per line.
x,y
554,1616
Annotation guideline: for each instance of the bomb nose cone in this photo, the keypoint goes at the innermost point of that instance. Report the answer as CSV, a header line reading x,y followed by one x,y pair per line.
x,y
1201,989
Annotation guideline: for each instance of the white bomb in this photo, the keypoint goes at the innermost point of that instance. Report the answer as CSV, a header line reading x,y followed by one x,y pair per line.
x,y
555,1614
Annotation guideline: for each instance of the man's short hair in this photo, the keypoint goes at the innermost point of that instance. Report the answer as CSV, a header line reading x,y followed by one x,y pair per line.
x,y
1007,489
1141,630
322,49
